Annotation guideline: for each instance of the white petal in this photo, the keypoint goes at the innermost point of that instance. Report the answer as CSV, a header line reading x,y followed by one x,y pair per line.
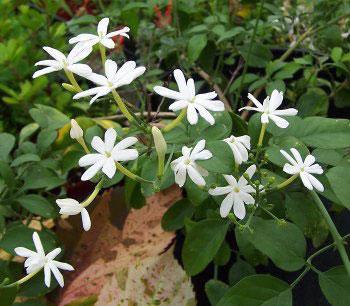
x,y
180,175
168,93
309,160
246,197
226,205
239,208
63,265
110,137
251,170
220,190
102,92
90,159
91,172
125,70
108,43
245,140
191,88
205,114
181,82
286,112
186,152
98,144
121,32
125,143
264,118
195,176
80,69
58,275
24,252
177,105
231,180
38,246
297,156
109,167
47,273
288,168
97,79
280,122
316,169
111,69
85,218
125,155
44,71
89,92
84,38
192,116
275,100
102,26
198,147
289,158
315,182
204,155
50,63
56,54
78,53
207,96
255,101
215,105
305,180
51,255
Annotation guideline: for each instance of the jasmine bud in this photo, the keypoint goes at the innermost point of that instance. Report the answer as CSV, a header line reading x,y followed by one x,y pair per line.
x,y
161,148
76,131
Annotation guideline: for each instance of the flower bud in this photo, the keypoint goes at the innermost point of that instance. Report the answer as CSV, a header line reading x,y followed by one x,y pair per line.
x,y
75,132
69,87
161,148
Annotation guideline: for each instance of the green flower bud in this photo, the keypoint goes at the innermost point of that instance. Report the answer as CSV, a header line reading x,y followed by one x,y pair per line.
x,y
69,87
161,148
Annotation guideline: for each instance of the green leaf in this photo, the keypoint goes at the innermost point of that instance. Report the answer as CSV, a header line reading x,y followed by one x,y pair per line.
x,y
277,84
258,290
313,102
8,295
342,97
223,255
317,132
284,244
284,143
229,34
239,270
304,213
239,126
335,284
215,290
20,235
339,179
202,242
37,177
36,287
38,205
27,131
259,54
336,54
248,79
222,160
48,117
174,217
25,158
329,156
195,46
287,71
7,142
46,138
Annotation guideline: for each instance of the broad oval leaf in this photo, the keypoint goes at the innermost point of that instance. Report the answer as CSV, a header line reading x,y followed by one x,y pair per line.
x,y
174,217
339,179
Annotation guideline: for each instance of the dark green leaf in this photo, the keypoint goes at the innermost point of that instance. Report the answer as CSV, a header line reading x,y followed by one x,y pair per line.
x,y
215,290
339,179
38,205
259,54
8,295
223,255
239,270
7,142
195,46
25,158
174,217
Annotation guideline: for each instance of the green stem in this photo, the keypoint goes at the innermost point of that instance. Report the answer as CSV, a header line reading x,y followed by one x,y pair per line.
x,y
288,181
81,141
299,278
122,106
131,175
216,271
72,80
176,121
93,195
338,240
23,279
103,53
262,134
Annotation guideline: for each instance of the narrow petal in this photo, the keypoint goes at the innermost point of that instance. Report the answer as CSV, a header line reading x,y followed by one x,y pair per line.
x,y
102,26
231,180
91,172
111,68
125,155
78,53
286,112
168,93
215,105
58,275
288,168
245,140
84,38
191,88
85,219
195,176
275,100
205,114
297,156
181,82
24,252
110,137
251,170
239,208
246,197
38,246
97,79
280,122
198,147
47,273
125,143
98,144
177,105
255,101
50,63
289,158
316,169
89,92
250,108
51,255
305,180
63,265
192,116
90,159
226,205
80,69
207,96
180,175
121,32
309,160
204,155
264,118
315,182
109,167
56,54
102,92
220,190
44,71
108,43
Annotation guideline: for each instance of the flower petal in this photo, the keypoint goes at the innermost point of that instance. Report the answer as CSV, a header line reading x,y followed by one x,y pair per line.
x,y
177,105
110,137
91,172
226,205
85,219
98,144
56,54
125,143
305,179
195,176
38,246
109,167
255,101
78,53
279,121
289,158
180,175
47,273
108,43
275,100
205,114
231,180
84,38
181,82
80,69
215,105
192,115
220,190
288,168
309,160
51,255
315,182
125,155
286,112
24,252
102,26
121,32
168,93
58,275
207,96
239,208
44,71
191,89
111,68
90,159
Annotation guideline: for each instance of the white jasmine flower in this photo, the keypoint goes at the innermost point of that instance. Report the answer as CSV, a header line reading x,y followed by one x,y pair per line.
x,y
37,260
72,207
186,98
269,109
102,37
304,168
186,164
114,78
238,194
108,154
239,146
76,131
60,61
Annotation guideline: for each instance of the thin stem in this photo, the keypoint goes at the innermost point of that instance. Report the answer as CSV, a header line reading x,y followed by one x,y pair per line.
x,y
176,121
103,53
262,134
122,106
81,141
287,182
93,195
72,80
131,175
271,214
334,232
216,271
23,279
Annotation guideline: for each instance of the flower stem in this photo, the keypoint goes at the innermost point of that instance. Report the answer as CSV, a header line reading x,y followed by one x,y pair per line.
x,y
176,121
287,182
334,232
262,133
23,279
131,175
122,106
81,141
72,80
103,53
93,195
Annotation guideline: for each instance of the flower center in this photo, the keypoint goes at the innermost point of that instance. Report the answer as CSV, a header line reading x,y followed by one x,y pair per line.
x,y
110,84
187,162
108,154
236,189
